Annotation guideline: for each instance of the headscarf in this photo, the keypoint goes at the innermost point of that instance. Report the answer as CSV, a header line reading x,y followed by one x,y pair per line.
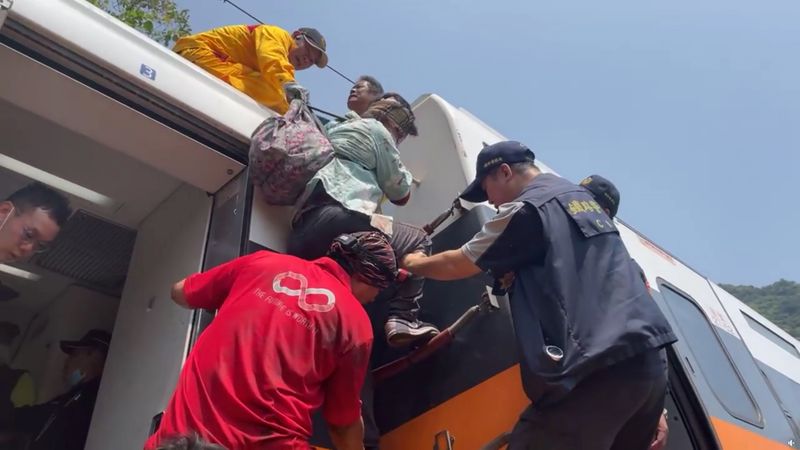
x,y
371,257
391,109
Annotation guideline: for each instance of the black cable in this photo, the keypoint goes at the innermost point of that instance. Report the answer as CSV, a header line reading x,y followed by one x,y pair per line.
x,y
243,11
326,112
262,23
340,74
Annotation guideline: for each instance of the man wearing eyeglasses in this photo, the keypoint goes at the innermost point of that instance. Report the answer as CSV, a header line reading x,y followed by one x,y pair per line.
x,y
30,219
258,60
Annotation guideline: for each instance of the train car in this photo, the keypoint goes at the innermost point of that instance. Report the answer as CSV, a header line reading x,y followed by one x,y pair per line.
x,y
152,152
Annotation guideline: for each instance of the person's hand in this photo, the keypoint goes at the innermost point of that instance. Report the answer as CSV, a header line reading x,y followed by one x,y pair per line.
x,y
410,259
660,438
294,91
507,280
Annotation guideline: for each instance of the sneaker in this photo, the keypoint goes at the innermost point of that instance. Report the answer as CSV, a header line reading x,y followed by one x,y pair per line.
x,y
402,332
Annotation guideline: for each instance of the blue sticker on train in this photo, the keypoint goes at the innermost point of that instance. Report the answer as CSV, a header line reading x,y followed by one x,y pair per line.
x,y
148,72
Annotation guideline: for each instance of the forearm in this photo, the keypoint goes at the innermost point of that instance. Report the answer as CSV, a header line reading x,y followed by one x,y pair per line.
x,y
349,437
445,266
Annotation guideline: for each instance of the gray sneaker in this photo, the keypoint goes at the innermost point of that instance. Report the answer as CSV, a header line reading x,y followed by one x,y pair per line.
x,y
402,332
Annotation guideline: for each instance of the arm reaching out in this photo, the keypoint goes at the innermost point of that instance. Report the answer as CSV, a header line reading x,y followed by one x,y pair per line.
x,y
445,266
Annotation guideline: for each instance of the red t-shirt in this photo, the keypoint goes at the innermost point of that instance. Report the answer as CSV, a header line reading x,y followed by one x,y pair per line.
x,y
289,338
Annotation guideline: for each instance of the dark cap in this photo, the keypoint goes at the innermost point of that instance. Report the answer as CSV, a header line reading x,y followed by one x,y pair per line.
x,y
505,152
98,339
604,193
315,38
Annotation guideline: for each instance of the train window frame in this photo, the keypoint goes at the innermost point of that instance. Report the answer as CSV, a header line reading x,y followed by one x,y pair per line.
x,y
770,335
758,419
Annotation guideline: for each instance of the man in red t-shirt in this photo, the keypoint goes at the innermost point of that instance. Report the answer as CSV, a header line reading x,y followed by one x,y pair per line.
x,y
290,336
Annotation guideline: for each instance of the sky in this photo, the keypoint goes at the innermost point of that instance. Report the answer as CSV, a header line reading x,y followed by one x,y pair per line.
x,y
691,108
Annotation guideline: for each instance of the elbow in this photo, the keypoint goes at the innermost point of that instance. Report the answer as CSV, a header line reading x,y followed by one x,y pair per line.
x,y
352,431
402,201
177,294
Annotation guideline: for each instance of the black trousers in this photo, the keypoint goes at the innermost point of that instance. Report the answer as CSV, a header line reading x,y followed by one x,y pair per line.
x,y
316,228
617,408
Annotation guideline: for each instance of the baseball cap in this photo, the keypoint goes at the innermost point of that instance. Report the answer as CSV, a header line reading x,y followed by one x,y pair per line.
x,y
98,339
491,156
316,40
604,193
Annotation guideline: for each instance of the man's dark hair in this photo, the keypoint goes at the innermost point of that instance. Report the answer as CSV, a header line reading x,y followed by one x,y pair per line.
x,y
375,87
39,195
193,442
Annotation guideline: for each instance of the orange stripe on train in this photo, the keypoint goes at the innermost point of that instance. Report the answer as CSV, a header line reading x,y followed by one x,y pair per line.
x,y
733,437
479,414
473,417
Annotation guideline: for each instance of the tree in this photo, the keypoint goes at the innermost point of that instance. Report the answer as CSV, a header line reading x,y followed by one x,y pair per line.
x,y
159,19
779,302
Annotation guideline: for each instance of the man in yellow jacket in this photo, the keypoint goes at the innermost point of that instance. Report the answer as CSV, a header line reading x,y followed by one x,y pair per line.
x,y
258,60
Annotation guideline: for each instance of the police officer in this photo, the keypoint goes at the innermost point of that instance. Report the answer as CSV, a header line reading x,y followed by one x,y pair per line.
x,y
607,196
589,336
63,422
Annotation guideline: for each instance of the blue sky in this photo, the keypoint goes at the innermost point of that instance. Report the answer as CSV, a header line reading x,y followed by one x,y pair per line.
x,y
691,108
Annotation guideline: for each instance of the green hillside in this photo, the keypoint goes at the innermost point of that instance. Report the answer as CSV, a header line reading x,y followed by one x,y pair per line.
x,y
778,302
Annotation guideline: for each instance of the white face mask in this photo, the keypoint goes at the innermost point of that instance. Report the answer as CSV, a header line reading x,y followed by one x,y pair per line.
x,y
10,213
5,354
75,377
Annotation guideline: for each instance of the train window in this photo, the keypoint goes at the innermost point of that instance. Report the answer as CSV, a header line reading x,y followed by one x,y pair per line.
x,y
787,390
715,364
759,328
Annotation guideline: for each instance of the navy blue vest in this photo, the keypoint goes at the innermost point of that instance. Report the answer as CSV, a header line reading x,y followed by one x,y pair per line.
x,y
586,303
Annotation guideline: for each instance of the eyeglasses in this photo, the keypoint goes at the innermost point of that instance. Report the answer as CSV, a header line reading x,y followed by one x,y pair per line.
x,y
28,237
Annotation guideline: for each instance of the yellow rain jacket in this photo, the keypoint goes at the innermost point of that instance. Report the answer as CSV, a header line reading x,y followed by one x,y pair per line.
x,y
253,59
